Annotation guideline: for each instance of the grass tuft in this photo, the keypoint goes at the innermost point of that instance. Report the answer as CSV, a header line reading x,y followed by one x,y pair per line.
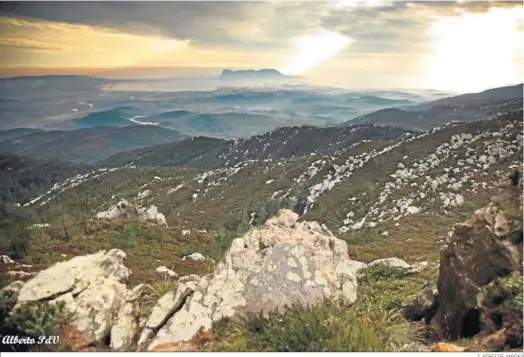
x,y
321,328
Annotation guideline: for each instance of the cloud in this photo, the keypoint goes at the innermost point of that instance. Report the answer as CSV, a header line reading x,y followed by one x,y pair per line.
x,y
311,50
43,43
389,39
20,43
376,25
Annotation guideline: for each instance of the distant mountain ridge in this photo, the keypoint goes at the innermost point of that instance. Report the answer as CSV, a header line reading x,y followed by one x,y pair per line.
x,y
462,108
251,73
56,76
16,132
488,96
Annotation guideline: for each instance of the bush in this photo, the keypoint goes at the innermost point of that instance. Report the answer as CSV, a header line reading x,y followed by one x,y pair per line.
x,y
507,290
34,319
322,328
128,238
152,292
14,238
382,287
380,272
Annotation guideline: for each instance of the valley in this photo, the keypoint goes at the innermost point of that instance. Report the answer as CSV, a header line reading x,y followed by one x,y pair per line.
x,y
175,211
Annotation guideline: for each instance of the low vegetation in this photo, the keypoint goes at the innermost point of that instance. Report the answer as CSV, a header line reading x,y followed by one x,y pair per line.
x,y
152,292
34,320
322,328
205,215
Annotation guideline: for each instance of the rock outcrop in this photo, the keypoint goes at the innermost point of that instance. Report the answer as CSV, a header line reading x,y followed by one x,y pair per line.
x,y
422,305
479,253
125,210
400,264
4,259
15,286
392,263
281,263
165,272
92,288
194,256
476,254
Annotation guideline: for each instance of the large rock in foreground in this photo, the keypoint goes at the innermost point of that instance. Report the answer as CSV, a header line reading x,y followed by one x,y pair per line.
x,y
92,288
478,252
273,266
481,256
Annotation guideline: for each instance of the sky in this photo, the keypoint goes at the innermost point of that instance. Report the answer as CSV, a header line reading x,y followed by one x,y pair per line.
x,y
447,45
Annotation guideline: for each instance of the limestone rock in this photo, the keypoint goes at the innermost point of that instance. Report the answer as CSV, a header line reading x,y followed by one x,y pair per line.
x,y
285,218
125,210
75,275
475,256
168,305
15,286
76,340
151,214
96,309
6,260
92,288
418,267
270,268
20,273
391,262
126,326
194,256
165,272
121,210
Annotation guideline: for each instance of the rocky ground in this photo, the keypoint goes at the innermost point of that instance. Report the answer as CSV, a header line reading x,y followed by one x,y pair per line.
x,y
364,239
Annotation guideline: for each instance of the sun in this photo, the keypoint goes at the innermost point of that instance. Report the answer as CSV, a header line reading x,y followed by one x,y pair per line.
x,y
473,52
311,50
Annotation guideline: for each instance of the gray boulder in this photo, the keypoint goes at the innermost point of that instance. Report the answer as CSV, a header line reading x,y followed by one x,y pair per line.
x,y
125,210
391,262
93,290
281,263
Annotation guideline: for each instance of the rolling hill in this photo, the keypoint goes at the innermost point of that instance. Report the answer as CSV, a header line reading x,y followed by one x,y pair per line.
x,y
286,142
117,117
462,108
489,96
24,178
369,193
87,145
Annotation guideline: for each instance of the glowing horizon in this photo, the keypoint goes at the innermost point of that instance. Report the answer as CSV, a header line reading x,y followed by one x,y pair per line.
x,y
362,43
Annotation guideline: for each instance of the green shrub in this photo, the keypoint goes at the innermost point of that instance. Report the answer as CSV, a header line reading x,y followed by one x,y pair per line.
x,y
380,272
516,236
128,238
156,234
221,241
381,287
33,319
14,238
508,289
190,248
322,328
